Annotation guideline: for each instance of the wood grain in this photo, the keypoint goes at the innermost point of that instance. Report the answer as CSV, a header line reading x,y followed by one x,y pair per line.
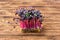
x,y
10,30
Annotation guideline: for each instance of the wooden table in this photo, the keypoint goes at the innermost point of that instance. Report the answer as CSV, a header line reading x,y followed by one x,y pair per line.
x,y
10,30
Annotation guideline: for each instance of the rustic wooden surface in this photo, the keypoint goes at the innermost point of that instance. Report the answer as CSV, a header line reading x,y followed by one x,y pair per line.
x,y
50,9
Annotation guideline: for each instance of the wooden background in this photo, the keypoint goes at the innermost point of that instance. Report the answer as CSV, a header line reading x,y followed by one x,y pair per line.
x,y
50,9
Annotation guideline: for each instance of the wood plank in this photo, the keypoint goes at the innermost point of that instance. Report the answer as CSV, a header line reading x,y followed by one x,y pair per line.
x,y
25,37
31,37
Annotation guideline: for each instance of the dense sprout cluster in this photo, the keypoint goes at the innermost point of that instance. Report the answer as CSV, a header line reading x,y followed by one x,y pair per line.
x,y
29,18
28,14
